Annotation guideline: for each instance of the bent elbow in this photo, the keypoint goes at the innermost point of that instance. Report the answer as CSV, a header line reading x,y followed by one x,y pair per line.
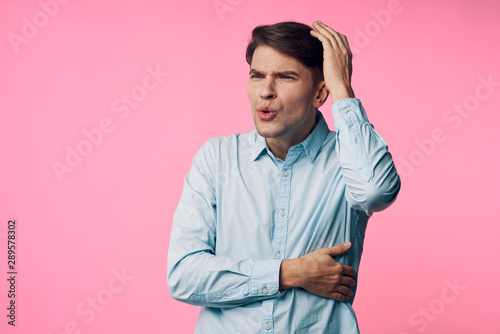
x,y
376,196
177,286
184,287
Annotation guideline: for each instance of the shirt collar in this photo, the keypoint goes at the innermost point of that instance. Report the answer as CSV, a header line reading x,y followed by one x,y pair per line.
x,y
311,144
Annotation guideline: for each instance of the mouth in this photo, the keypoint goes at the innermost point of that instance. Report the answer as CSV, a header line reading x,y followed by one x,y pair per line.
x,y
266,113
266,108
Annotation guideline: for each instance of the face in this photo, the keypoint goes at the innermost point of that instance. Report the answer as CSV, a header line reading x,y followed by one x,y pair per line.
x,y
282,96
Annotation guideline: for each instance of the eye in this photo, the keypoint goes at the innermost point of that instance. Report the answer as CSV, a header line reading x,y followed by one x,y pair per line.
x,y
255,76
287,77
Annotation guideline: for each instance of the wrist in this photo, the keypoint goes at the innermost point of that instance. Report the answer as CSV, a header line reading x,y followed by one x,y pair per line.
x,y
290,276
341,92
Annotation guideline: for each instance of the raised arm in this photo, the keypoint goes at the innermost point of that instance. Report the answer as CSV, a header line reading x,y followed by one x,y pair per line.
x,y
372,182
195,274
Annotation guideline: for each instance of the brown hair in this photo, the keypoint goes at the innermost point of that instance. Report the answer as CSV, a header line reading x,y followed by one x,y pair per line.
x,y
292,39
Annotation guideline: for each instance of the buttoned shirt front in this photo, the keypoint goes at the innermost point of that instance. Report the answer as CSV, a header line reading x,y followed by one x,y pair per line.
x,y
242,211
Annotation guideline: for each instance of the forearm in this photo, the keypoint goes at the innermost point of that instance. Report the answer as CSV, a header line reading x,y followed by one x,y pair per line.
x,y
372,182
213,281
196,275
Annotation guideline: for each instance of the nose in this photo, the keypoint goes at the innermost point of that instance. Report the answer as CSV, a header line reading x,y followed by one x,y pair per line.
x,y
268,90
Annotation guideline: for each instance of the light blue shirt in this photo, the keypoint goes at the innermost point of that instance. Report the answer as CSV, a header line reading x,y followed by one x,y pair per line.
x,y
242,211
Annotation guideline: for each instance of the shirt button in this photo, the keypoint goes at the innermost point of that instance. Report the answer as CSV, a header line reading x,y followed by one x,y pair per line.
x,y
285,173
267,326
278,255
345,111
282,213
265,291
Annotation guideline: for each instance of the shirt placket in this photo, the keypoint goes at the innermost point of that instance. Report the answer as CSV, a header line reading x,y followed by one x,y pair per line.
x,y
280,229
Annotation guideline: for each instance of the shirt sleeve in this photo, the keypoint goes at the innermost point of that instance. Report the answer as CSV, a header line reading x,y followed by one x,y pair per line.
x,y
372,182
195,274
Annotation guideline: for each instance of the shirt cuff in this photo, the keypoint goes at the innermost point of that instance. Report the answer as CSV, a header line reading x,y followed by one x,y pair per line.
x,y
266,278
348,111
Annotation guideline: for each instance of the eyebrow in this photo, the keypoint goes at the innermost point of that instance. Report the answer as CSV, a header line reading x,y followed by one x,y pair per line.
x,y
286,73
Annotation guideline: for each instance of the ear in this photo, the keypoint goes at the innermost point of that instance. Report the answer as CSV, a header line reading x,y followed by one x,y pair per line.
x,y
320,94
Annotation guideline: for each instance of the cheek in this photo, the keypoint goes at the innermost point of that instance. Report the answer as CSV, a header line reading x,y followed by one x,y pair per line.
x,y
251,89
304,100
253,95
295,102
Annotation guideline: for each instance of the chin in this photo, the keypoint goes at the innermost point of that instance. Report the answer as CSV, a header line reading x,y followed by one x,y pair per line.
x,y
263,131
268,133
268,129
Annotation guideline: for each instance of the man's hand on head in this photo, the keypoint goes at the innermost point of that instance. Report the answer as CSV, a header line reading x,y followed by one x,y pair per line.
x,y
319,273
337,61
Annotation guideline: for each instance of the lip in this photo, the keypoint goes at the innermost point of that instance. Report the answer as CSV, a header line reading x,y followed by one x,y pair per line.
x,y
267,108
266,115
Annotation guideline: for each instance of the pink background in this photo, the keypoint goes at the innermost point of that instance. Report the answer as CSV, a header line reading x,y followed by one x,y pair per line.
x,y
65,69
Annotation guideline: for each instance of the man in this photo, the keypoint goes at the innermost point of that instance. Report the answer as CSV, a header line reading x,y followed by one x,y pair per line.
x,y
269,230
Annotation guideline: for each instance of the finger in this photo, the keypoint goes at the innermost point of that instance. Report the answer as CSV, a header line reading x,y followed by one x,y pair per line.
x,y
348,270
338,249
327,43
344,290
340,38
347,281
339,296
322,31
346,42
